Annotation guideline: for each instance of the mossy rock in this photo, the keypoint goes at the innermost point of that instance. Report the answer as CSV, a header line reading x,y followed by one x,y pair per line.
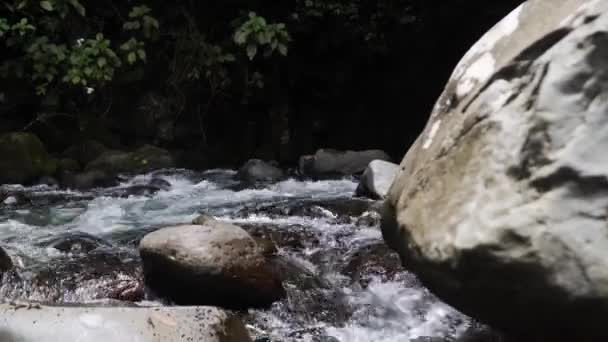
x,y
150,158
144,159
24,158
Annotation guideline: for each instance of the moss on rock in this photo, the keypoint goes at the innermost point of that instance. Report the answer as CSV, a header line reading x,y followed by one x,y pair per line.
x,y
24,158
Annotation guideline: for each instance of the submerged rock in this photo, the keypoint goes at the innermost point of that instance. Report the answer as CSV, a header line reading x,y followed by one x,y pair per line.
x,y
211,264
133,190
24,158
256,170
501,204
377,179
33,323
328,162
75,243
160,183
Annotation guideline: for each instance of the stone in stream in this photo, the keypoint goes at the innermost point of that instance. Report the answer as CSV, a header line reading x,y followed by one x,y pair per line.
x,y
377,179
256,170
264,243
330,163
212,264
24,158
160,183
501,205
26,322
76,242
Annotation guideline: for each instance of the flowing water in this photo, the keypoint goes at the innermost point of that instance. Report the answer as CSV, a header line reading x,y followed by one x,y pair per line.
x,y
343,284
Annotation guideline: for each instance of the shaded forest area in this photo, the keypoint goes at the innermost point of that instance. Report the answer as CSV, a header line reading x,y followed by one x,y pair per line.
x,y
227,81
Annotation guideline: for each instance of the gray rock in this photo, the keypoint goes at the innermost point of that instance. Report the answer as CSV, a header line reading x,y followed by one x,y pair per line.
x,y
34,323
377,179
328,162
215,263
160,183
256,170
501,204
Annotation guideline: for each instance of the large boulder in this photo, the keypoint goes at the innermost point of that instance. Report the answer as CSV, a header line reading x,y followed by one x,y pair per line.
x,y
256,170
23,322
24,158
377,179
500,205
214,263
144,159
329,162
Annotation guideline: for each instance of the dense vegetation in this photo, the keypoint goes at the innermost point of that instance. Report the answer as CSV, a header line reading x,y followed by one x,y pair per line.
x,y
240,78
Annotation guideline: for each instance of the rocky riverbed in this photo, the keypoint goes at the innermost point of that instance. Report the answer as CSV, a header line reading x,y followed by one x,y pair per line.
x,y
342,283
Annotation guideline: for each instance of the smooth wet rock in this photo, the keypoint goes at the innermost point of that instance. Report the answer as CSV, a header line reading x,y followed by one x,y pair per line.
x,y
75,243
329,162
265,244
501,204
133,190
256,170
212,264
160,184
34,323
377,179
24,159
372,262
343,210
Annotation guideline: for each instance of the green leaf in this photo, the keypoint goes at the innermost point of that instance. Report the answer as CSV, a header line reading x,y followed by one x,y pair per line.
x,y
240,37
131,57
252,50
283,49
101,61
78,7
142,54
47,5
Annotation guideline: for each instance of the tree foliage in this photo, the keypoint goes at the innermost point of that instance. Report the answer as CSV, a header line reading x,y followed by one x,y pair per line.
x,y
209,61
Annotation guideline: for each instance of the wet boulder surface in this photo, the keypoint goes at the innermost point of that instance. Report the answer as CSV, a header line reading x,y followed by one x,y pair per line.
x,y
499,205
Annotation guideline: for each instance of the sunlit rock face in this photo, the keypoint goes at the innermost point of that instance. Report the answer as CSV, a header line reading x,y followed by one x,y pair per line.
x,y
500,205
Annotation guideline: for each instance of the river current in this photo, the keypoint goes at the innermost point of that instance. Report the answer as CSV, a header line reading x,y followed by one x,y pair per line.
x,y
343,283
